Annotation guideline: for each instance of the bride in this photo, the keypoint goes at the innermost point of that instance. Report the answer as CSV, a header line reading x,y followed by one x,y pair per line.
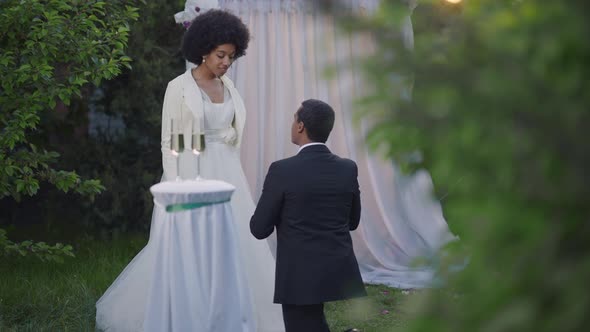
x,y
214,40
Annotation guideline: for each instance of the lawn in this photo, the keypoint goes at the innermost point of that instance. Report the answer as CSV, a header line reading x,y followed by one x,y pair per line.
x,y
37,296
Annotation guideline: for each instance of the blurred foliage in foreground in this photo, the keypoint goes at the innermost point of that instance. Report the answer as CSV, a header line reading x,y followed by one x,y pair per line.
x,y
499,109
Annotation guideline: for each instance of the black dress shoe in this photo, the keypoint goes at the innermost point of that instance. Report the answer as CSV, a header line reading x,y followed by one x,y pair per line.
x,y
352,330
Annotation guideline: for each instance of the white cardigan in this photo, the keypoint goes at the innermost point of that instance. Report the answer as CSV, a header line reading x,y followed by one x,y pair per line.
x,y
183,101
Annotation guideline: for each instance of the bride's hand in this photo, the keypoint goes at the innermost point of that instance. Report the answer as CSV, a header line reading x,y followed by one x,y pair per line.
x,y
230,136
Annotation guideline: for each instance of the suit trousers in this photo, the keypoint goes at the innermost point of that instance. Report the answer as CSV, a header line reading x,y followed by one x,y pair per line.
x,y
305,318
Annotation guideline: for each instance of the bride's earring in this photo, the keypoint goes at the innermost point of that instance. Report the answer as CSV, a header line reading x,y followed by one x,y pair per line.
x,y
203,59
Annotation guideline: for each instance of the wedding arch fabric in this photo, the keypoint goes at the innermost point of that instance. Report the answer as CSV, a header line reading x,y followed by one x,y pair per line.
x,y
292,45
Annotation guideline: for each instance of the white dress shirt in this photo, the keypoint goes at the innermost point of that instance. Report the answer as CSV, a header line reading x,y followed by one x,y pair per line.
x,y
309,144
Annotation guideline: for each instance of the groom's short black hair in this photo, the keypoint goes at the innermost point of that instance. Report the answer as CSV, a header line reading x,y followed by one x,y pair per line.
x,y
318,119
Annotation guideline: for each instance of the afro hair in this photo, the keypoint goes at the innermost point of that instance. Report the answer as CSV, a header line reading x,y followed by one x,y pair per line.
x,y
211,29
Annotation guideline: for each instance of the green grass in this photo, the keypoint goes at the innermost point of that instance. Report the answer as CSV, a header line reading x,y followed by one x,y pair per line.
x,y
37,296
384,310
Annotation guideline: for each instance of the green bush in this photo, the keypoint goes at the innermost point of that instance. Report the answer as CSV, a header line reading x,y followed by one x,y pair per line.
x,y
125,157
49,52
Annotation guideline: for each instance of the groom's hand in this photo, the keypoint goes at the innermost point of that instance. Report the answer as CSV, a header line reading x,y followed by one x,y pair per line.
x,y
268,210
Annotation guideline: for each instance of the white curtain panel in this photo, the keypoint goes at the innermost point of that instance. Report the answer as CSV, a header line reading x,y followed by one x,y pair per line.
x,y
292,46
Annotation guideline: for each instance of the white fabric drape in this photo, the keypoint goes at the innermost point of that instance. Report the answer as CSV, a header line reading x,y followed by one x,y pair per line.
x,y
292,45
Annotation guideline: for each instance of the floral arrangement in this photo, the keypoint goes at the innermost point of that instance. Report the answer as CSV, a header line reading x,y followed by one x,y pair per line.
x,y
192,8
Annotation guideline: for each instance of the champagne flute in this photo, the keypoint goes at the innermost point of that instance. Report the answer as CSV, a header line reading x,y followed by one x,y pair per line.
x,y
197,145
176,144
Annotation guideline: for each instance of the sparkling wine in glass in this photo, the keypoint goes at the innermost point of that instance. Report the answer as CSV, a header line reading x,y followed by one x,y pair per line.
x,y
197,145
176,144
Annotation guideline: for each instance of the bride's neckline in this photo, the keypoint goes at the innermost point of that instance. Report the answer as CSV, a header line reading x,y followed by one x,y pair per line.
x,y
195,80
208,98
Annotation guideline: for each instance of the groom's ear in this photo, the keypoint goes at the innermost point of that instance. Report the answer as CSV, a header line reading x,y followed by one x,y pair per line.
x,y
300,127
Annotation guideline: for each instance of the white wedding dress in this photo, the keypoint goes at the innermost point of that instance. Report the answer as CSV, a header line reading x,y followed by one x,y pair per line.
x,y
122,307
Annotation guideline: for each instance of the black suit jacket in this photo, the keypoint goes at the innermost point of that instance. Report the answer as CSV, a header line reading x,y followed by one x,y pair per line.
x,y
313,201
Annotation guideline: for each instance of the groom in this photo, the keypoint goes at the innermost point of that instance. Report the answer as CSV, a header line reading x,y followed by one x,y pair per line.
x,y
313,200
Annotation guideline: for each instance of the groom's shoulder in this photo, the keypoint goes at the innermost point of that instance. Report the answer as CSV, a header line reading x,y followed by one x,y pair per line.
x,y
285,162
348,162
342,160
297,158
345,162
